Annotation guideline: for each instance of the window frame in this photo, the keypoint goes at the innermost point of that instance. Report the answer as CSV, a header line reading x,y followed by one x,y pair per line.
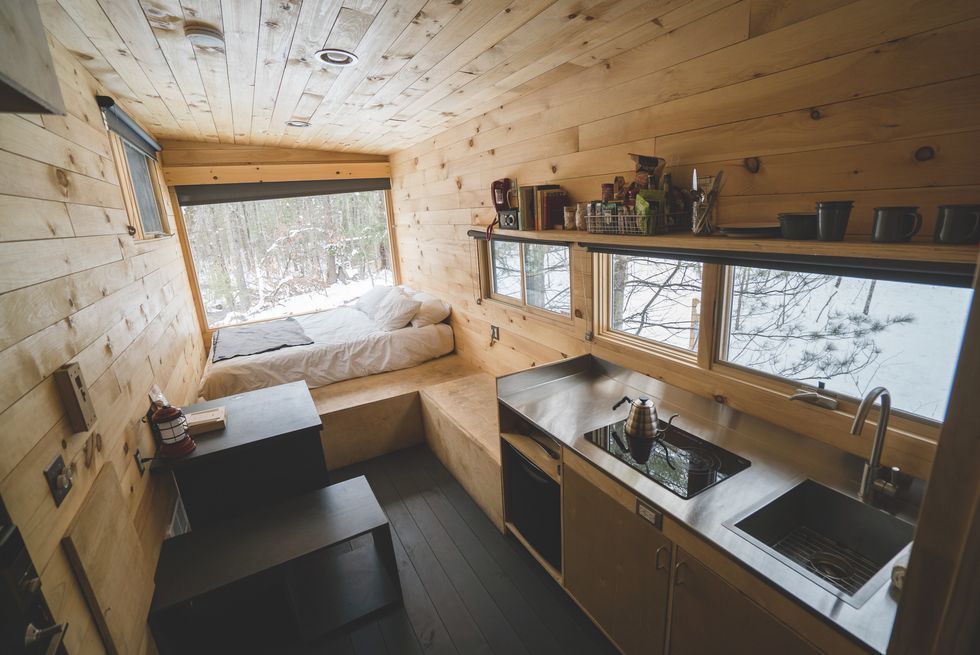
x,y
126,184
487,278
782,384
605,331
206,330
753,387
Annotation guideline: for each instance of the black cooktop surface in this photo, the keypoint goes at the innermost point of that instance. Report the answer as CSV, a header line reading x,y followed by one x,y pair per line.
x,y
680,462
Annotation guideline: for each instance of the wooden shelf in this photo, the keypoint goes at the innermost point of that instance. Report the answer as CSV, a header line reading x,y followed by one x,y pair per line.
x,y
858,248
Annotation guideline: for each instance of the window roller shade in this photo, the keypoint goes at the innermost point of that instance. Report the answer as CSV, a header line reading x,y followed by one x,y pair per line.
x,y
213,194
948,274
118,121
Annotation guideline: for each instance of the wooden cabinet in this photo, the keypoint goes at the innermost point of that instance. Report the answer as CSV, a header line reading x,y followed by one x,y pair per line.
x,y
709,616
616,563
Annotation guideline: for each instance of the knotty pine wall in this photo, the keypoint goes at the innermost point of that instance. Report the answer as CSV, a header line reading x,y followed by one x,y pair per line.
x,y
870,100
74,286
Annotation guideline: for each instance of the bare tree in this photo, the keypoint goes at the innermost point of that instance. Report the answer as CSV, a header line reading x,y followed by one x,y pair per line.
x,y
782,322
254,256
791,327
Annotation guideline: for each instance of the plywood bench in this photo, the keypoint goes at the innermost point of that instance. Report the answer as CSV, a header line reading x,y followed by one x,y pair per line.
x,y
461,426
378,414
446,402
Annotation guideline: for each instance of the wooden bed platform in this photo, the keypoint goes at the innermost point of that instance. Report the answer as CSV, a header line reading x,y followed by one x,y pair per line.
x,y
445,402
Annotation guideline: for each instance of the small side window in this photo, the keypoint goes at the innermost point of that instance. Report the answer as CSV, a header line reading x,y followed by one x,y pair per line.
x,y
534,276
656,299
142,192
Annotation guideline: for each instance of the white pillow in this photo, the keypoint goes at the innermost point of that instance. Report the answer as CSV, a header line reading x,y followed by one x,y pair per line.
x,y
395,311
432,311
368,303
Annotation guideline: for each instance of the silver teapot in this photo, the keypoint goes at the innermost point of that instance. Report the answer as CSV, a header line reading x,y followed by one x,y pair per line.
x,y
643,427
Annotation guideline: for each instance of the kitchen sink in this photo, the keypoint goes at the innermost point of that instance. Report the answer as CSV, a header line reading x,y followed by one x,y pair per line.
x,y
840,543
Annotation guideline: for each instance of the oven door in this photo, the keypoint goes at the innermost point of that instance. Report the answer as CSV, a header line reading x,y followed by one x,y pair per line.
x,y
533,504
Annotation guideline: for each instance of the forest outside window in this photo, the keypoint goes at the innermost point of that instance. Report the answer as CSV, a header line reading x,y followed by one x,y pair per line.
x,y
656,299
534,275
272,258
847,333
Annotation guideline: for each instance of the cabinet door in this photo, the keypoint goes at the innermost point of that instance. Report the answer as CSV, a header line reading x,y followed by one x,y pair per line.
x,y
611,563
709,616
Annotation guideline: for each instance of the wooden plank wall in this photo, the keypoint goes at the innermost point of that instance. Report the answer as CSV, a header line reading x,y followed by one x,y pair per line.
x,y
870,100
74,286
197,162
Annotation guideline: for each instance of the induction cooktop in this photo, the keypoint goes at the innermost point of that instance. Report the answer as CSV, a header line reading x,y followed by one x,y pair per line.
x,y
680,462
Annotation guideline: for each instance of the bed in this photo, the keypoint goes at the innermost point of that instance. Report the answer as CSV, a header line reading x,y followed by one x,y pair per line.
x,y
347,343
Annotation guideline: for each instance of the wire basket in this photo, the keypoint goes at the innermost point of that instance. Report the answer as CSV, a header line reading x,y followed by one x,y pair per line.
x,y
625,224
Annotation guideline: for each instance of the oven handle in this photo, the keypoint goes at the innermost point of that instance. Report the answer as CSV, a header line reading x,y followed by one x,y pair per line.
x,y
532,469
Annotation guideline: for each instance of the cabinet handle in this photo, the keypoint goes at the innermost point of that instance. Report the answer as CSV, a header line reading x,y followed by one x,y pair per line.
x,y
680,566
661,550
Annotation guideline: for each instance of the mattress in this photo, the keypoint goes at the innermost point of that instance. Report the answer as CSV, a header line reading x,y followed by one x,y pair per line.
x,y
346,344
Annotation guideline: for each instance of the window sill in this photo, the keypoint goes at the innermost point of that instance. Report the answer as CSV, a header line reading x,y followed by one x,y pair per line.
x,y
149,237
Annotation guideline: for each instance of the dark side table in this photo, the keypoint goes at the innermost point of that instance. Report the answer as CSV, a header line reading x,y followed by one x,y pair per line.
x,y
274,579
269,450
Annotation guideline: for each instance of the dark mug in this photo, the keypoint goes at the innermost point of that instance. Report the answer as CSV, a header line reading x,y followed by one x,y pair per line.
x,y
832,218
895,224
958,224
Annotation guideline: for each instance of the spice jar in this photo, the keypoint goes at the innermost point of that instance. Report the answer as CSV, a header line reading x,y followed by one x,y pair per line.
x,y
581,214
569,217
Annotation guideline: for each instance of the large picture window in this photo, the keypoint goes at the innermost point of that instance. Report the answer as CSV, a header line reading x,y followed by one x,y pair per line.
x,y
850,334
268,259
535,275
656,299
788,329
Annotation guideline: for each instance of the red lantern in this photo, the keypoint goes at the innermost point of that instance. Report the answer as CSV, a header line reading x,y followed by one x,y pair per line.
x,y
170,426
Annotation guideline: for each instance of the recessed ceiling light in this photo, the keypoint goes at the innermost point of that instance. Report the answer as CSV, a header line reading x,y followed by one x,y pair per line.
x,y
204,35
298,123
336,57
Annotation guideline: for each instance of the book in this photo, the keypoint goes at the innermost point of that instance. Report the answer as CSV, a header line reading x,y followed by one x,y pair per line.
x,y
554,209
205,420
540,204
525,208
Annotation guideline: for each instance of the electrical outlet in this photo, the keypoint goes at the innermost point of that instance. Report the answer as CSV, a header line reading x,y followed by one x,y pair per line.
x,y
495,333
59,479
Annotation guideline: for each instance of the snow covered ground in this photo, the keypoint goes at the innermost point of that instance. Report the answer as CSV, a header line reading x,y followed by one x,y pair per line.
x,y
327,298
915,360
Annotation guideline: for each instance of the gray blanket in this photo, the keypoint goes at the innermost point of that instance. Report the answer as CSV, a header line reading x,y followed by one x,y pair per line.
x,y
265,337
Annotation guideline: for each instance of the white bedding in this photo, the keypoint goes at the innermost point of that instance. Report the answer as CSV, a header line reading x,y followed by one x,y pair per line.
x,y
346,344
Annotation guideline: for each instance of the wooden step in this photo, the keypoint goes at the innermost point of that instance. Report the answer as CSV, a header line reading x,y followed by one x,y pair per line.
x,y
378,414
462,429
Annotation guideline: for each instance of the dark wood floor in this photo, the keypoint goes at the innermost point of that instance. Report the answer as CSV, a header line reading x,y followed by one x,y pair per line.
x,y
466,588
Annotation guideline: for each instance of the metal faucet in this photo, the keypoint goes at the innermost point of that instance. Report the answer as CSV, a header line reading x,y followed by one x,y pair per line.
x,y
870,482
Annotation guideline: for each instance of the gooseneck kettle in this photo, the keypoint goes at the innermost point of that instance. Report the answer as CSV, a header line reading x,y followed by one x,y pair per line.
x,y
642,421
643,428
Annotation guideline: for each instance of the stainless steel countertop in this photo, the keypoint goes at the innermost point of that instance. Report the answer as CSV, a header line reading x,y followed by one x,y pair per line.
x,y
569,398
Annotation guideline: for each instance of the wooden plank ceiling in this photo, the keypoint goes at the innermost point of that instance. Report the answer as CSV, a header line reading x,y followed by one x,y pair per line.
x,y
425,65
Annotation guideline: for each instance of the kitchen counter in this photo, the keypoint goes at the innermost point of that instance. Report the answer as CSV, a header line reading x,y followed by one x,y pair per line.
x,y
569,398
